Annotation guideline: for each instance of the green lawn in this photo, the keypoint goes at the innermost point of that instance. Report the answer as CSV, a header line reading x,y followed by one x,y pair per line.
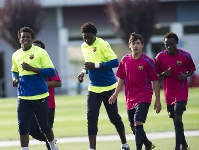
x,y
161,144
70,119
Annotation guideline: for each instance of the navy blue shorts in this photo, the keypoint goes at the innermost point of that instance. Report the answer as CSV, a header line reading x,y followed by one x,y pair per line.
x,y
94,102
35,130
177,108
139,113
25,110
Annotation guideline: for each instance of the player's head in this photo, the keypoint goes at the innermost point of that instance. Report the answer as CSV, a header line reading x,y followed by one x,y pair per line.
x,y
171,42
136,43
38,43
134,37
26,36
89,32
28,30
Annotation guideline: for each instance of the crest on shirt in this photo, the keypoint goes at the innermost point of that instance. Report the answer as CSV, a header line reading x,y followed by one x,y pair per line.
x,y
94,49
140,68
31,56
179,63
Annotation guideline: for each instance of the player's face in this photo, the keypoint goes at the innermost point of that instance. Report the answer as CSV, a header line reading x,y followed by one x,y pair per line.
x,y
170,45
89,38
26,40
136,47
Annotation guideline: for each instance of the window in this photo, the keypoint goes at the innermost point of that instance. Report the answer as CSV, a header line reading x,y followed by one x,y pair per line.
x,y
191,29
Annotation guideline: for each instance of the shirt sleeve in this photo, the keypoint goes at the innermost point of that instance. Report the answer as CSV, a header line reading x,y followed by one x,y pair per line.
x,y
14,69
120,71
47,67
55,77
157,64
108,52
190,66
152,71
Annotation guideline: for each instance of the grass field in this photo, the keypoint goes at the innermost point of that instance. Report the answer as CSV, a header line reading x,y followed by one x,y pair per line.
x,y
161,144
70,119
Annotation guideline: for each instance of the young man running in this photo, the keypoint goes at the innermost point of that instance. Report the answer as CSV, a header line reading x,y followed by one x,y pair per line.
x,y
30,67
136,71
174,66
99,61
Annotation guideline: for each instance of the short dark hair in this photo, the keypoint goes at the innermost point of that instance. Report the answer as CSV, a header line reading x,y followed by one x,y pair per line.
x,y
171,35
39,42
26,29
89,27
134,37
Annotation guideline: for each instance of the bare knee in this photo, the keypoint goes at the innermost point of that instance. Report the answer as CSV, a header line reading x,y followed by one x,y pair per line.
x,y
137,123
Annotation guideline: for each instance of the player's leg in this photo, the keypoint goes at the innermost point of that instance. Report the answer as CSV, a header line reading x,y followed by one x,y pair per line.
x,y
141,111
35,131
41,113
51,116
115,119
179,108
93,106
24,111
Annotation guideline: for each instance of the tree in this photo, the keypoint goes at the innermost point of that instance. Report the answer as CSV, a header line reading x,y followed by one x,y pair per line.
x,y
16,14
129,16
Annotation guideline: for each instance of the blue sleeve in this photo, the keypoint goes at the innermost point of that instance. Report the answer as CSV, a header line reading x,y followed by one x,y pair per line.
x,y
111,64
47,72
15,75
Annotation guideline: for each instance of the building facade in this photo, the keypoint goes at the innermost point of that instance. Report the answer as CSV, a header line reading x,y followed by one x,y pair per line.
x,y
62,37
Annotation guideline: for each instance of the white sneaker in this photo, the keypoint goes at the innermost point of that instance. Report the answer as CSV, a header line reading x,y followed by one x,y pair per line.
x,y
53,145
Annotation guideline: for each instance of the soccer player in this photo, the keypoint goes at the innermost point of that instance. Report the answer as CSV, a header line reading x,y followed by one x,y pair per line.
x,y
30,67
99,61
136,72
174,66
52,82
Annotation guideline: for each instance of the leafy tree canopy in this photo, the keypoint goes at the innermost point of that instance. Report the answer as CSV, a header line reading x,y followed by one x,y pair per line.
x,y
16,14
129,16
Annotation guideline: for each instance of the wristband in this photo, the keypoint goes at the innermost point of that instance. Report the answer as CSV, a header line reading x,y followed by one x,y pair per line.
x,y
84,71
97,65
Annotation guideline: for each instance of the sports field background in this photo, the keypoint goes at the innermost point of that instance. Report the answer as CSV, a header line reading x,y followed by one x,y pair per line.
x,y
70,119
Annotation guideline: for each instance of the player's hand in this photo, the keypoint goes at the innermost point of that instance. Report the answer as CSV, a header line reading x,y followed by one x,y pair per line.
x,y
89,65
26,67
182,76
167,72
113,98
80,77
157,106
15,83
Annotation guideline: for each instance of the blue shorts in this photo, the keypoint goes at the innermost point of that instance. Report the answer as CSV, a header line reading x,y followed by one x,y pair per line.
x,y
25,110
139,113
177,108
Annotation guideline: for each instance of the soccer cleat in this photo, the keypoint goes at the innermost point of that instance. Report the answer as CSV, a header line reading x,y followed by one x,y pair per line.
x,y
126,148
152,147
55,148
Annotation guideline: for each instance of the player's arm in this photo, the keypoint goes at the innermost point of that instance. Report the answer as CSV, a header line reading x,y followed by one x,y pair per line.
x,y
54,83
183,76
28,67
80,77
165,73
117,90
15,74
112,61
157,105
109,64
